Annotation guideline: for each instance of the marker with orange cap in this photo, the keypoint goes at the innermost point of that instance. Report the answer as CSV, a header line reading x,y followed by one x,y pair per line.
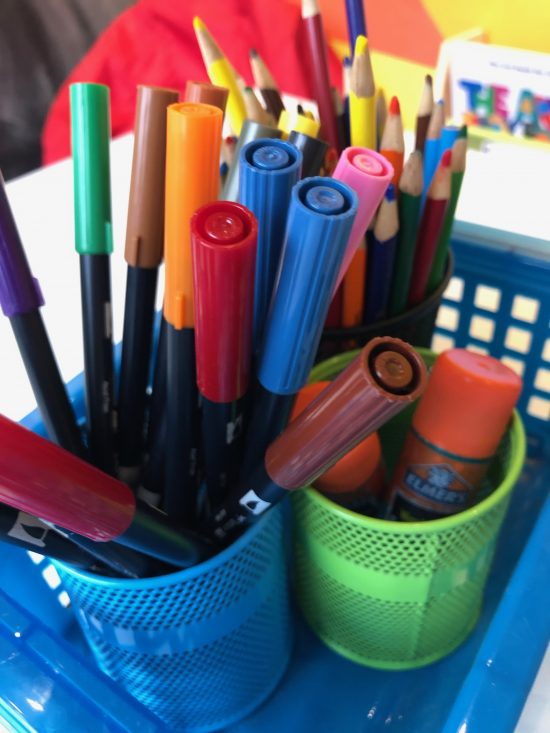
x,y
193,141
454,434
224,236
431,224
356,481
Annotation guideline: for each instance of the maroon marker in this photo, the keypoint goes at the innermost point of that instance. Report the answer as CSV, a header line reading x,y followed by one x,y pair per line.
x,y
385,377
38,477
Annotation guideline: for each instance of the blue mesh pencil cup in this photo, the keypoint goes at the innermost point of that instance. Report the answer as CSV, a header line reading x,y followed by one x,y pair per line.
x,y
202,647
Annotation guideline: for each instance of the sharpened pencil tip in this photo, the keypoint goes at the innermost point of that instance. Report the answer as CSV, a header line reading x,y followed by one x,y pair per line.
x,y
198,25
361,44
446,159
253,53
394,108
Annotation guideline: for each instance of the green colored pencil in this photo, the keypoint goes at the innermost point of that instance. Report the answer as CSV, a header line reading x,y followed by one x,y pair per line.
x,y
410,190
458,166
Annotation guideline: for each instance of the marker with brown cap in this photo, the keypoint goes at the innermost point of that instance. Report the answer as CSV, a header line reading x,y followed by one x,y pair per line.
x,y
454,434
384,378
143,253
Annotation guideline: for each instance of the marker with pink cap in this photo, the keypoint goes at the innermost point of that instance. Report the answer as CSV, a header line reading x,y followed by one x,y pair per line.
x,y
369,174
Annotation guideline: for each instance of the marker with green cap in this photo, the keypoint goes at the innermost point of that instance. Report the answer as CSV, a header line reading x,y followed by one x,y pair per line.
x,y
90,133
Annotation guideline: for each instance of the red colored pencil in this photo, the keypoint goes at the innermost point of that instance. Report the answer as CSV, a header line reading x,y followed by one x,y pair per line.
x,y
317,51
429,231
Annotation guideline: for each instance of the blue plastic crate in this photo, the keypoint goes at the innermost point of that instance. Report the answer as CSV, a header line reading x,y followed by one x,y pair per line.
x,y
480,687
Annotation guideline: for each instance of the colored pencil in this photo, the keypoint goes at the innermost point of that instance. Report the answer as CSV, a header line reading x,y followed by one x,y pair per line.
x,y
431,225
254,110
362,100
458,167
431,146
410,191
392,144
381,257
316,50
266,84
424,113
357,25
221,73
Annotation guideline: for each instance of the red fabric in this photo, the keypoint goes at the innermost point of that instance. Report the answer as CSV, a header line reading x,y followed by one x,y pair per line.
x,y
154,43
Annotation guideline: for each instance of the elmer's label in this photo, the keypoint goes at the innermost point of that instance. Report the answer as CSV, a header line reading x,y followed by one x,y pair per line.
x,y
430,482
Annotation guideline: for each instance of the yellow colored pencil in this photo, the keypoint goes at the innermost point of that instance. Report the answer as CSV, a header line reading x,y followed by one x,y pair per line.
x,y
221,72
362,98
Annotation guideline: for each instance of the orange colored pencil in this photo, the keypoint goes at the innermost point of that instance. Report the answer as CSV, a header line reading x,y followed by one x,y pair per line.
x,y
392,145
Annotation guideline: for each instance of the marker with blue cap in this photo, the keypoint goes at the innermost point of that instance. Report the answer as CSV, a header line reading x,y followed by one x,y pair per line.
x,y
269,168
320,218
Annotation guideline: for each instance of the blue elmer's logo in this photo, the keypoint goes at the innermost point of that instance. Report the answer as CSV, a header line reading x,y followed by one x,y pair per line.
x,y
439,483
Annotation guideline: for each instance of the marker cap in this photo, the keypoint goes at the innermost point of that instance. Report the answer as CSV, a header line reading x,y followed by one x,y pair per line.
x,y
319,222
90,135
39,477
223,237
145,227
269,168
193,142
289,121
385,377
19,290
355,468
250,131
369,174
313,151
204,93
468,403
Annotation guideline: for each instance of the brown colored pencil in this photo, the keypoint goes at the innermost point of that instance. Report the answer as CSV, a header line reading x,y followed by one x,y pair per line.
x,y
424,113
266,84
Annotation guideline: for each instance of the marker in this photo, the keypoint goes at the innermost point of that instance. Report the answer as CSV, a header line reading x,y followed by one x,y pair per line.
x,y
369,174
290,120
90,132
386,376
192,179
202,93
455,432
313,152
356,481
381,258
429,231
20,300
42,479
250,131
143,253
268,171
224,236
320,218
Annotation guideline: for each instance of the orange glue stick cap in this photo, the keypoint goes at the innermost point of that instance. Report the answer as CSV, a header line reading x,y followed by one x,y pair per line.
x,y
468,403
361,468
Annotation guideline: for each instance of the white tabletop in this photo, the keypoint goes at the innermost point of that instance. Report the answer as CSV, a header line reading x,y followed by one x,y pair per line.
x,y
42,203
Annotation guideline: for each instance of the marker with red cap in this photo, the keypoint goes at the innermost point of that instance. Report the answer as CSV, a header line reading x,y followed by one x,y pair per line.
x,y
223,238
385,377
40,478
454,434
431,224
369,174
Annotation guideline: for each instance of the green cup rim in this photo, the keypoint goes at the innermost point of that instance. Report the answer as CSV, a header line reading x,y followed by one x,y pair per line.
x,y
518,451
